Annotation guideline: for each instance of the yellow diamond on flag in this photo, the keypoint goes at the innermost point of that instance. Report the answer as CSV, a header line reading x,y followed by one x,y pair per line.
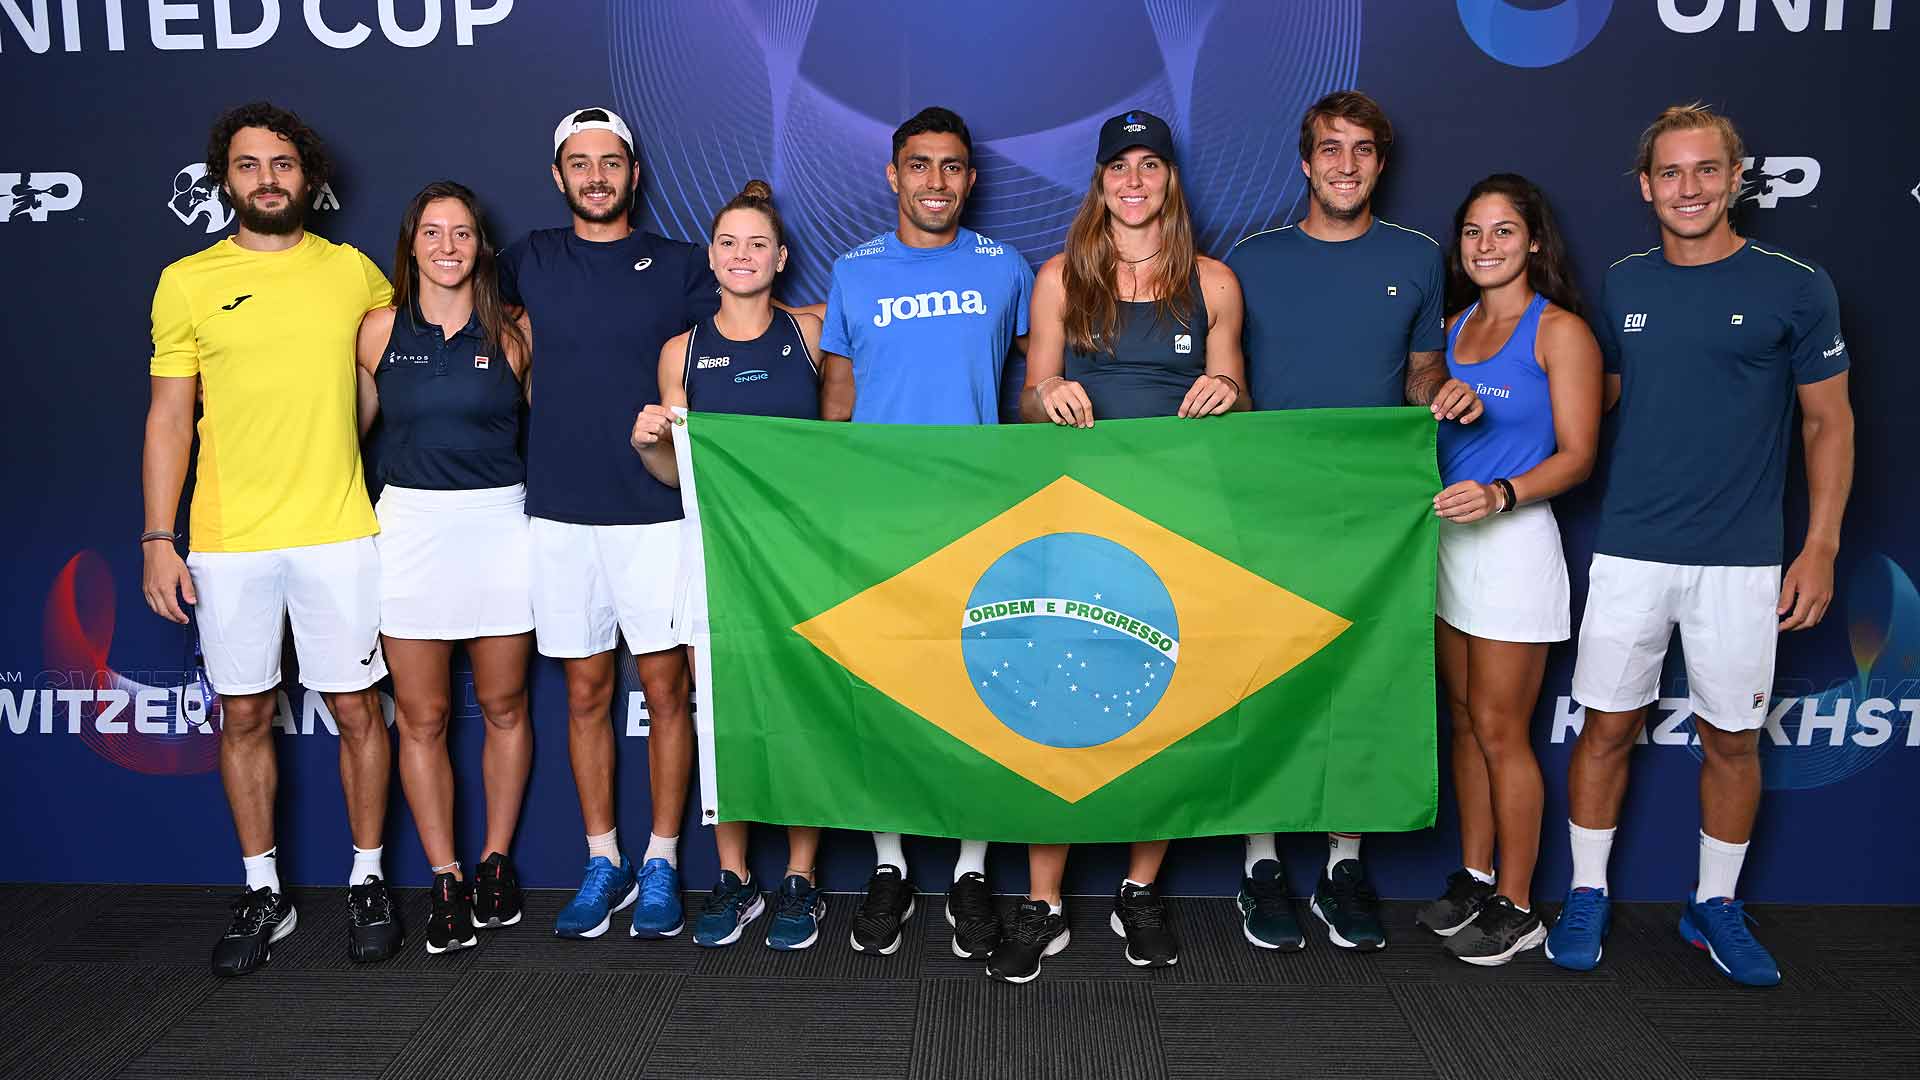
x,y
1070,639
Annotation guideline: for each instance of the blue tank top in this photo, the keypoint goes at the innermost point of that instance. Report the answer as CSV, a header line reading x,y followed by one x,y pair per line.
x,y
1515,433
772,375
1152,365
449,408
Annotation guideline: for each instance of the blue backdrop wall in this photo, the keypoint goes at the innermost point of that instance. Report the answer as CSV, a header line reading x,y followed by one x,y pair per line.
x,y
107,764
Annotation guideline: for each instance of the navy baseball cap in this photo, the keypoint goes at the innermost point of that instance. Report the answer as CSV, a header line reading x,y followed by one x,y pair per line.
x,y
1131,129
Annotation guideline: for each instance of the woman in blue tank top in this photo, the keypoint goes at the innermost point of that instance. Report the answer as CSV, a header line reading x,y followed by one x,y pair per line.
x,y
756,359
444,368
1522,345
1128,321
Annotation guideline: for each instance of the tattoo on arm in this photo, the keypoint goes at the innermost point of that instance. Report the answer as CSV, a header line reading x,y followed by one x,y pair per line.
x,y
1426,374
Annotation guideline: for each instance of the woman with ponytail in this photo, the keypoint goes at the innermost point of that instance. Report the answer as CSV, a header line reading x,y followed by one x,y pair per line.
x,y
698,371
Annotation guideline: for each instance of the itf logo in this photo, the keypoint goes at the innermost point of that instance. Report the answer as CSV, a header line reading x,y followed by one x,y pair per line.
x,y
35,195
1533,37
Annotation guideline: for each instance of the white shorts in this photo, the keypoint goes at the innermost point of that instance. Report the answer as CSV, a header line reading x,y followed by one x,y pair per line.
x,y
454,565
1504,577
593,583
331,593
1728,623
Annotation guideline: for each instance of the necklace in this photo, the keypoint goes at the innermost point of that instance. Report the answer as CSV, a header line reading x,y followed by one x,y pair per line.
x,y
1138,261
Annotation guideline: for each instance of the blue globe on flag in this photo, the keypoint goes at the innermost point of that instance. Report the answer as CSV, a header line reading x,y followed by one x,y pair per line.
x,y
1070,640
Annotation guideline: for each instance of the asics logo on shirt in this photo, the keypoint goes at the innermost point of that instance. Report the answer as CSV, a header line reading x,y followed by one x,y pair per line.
x,y
1634,323
929,305
643,264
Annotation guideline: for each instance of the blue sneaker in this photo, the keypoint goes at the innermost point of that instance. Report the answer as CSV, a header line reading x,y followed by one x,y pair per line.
x,y
797,912
1719,926
604,891
658,915
733,904
1577,935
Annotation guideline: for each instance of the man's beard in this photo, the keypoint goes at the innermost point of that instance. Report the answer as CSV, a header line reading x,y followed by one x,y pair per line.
x,y
1340,213
613,211
287,219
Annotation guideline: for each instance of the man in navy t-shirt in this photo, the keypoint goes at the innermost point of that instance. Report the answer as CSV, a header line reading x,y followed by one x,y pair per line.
x,y
1710,339
1344,310
918,325
602,298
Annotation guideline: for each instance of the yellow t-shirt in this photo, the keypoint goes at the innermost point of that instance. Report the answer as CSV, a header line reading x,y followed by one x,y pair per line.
x,y
271,336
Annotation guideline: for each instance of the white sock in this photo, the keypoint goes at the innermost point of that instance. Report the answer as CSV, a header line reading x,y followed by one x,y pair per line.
x,y
1340,848
1260,846
451,868
605,846
1590,850
1719,868
972,860
1124,882
888,852
366,863
1054,907
662,847
1480,876
263,870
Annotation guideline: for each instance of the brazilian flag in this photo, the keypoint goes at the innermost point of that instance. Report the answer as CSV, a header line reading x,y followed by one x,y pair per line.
x,y
1147,629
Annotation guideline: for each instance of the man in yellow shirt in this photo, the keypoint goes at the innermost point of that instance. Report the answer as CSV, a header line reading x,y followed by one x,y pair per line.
x,y
264,322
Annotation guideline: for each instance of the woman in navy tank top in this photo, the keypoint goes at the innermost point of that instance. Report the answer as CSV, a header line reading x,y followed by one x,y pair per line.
x,y
1521,343
444,368
1128,321
752,358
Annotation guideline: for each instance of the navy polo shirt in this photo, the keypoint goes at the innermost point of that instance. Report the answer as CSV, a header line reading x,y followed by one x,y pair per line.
x,y
600,312
1709,358
449,408
1330,324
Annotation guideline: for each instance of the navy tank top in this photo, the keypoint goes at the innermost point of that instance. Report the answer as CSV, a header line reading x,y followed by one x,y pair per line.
x,y
1152,365
772,375
1515,433
450,408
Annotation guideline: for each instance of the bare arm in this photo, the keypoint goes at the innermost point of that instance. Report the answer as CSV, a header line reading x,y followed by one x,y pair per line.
x,y
163,472
653,428
1429,384
836,387
1612,392
1220,389
376,327
1571,358
1049,396
1826,427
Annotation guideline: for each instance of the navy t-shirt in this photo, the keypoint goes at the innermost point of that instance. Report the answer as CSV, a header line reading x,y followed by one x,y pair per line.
x,y
1330,324
600,312
1708,358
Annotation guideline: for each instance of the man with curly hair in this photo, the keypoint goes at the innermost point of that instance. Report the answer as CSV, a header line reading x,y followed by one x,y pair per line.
x,y
262,325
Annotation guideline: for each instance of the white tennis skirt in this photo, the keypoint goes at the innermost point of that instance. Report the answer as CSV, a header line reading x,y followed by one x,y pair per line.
x,y
454,565
1504,577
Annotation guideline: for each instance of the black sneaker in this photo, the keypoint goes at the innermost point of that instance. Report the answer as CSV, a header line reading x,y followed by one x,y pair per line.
x,y
496,893
1266,913
1141,918
373,927
451,924
1456,908
1351,909
889,903
1500,933
976,925
1033,932
260,918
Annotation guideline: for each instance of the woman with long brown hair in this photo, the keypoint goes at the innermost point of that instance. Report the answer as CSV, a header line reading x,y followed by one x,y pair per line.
x,y
446,365
1128,321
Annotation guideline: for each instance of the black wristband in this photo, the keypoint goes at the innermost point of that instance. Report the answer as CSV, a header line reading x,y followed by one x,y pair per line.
x,y
1506,486
159,534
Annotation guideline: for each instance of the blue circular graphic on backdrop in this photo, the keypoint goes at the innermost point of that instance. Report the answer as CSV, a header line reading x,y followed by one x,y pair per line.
x,y
1533,37
1070,639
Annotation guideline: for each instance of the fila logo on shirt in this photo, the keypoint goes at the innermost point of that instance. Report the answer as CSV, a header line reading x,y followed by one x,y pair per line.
x,y
1635,323
481,362
1737,320
929,305
1393,290
705,362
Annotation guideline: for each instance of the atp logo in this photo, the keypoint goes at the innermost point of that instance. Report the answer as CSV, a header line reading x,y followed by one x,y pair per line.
x,y
34,195
1764,181
195,196
1533,38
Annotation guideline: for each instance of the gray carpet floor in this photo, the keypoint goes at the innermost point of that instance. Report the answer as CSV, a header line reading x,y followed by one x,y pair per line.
x,y
112,981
